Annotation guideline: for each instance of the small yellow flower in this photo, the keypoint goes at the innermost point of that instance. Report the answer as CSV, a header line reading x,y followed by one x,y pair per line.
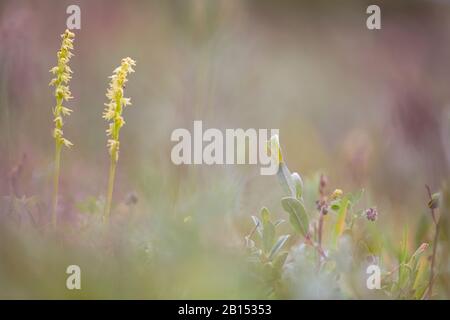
x,y
114,108
273,149
336,194
62,73
113,114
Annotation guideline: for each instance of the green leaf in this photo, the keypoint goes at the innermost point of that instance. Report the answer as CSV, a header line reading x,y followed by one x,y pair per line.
x,y
403,271
268,236
335,204
258,225
420,282
265,215
278,222
278,245
298,184
268,231
297,214
434,202
279,261
404,246
286,180
340,222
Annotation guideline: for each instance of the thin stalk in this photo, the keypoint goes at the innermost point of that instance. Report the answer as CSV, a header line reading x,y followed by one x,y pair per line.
x,y
433,261
113,114
320,232
320,228
62,73
112,166
56,182
323,204
435,243
112,173
311,243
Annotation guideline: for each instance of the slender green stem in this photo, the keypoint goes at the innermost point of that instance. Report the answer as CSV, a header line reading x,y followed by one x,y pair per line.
x,y
56,182
112,173
435,244
113,114
433,261
321,218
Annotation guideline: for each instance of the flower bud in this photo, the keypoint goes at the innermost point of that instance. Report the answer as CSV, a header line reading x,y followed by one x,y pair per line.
x,y
336,194
298,183
371,214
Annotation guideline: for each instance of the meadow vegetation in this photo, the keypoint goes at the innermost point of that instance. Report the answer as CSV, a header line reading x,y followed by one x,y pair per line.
x,y
349,193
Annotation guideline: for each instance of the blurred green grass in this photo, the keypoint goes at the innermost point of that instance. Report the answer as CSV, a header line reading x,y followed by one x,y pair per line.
x,y
365,108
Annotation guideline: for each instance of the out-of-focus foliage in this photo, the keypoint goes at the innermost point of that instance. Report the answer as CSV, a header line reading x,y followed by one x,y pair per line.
x,y
369,109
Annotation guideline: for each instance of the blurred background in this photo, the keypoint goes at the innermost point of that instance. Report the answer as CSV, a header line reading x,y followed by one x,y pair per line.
x,y
368,108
